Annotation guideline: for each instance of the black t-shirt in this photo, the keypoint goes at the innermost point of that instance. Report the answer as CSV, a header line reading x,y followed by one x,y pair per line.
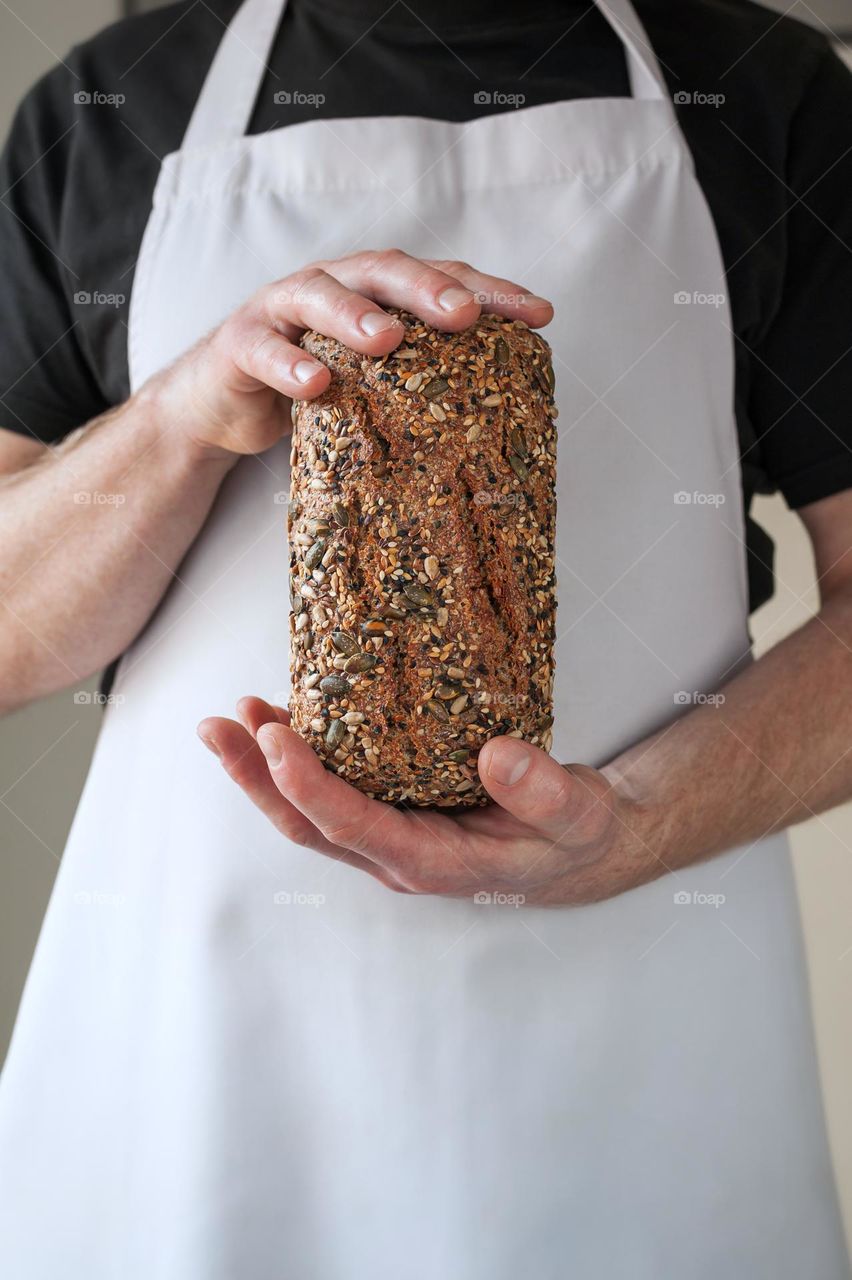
x,y
774,160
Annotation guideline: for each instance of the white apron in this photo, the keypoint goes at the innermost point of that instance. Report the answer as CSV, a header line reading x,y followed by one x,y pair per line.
x,y
238,1060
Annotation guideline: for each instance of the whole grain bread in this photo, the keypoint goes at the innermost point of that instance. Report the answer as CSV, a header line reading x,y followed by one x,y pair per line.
x,y
421,528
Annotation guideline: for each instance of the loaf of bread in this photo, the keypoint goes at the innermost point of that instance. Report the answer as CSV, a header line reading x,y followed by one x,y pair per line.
x,y
421,528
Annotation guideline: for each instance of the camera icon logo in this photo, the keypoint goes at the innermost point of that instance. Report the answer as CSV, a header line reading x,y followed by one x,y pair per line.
x,y
682,898
682,298
282,898
82,698
283,98
82,298
682,698
682,498
482,97
482,898
682,99
82,98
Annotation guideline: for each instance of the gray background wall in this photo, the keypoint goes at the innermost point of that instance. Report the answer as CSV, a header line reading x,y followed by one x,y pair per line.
x,y
45,749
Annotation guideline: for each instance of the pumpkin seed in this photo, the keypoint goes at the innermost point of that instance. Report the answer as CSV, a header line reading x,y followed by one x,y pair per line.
x,y
448,691
518,466
501,351
460,756
437,709
344,643
341,515
436,388
417,594
336,733
360,662
518,443
315,554
334,686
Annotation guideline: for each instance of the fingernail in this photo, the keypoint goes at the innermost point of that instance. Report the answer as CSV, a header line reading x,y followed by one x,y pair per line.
x,y
306,369
268,744
377,322
452,299
508,762
533,300
211,746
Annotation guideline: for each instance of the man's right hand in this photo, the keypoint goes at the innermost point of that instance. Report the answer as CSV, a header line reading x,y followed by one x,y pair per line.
x,y
231,393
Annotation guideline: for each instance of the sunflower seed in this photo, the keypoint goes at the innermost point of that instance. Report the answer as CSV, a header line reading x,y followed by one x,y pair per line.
x,y
430,564
302,620
353,717
307,592
342,443
459,705
501,351
473,433
311,680
437,412
492,401
412,383
317,725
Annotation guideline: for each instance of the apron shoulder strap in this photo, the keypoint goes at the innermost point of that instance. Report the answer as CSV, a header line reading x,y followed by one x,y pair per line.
x,y
223,110
228,95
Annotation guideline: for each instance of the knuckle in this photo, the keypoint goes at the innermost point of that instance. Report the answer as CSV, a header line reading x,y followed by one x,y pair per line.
x,y
262,352
554,798
301,284
453,266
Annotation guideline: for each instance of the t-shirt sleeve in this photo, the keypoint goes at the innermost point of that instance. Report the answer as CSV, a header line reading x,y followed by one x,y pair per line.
x,y
46,385
801,371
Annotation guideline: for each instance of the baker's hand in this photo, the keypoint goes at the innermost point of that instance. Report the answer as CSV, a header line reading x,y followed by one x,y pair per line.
x,y
555,836
231,392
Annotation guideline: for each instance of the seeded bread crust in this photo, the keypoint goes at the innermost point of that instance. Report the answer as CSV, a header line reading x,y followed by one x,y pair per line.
x,y
421,529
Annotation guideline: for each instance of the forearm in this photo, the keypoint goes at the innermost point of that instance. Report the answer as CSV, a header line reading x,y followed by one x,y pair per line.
x,y
774,752
91,534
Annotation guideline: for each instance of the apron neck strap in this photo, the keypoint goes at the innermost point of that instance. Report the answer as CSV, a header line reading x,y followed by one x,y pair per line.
x,y
224,106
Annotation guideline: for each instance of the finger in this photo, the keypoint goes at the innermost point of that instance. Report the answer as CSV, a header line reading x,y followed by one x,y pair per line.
x,y
503,297
558,802
244,762
260,356
344,816
397,279
254,712
320,299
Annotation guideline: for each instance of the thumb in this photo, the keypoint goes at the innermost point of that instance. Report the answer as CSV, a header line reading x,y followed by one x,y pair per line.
x,y
557,800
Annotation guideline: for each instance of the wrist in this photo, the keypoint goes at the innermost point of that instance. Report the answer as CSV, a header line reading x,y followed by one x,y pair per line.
x,y
167,432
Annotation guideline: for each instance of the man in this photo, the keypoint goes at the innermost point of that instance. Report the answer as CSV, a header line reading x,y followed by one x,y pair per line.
x,y
262,1062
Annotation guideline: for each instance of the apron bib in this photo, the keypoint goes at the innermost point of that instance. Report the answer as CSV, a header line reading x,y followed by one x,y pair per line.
x,y
236,1058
